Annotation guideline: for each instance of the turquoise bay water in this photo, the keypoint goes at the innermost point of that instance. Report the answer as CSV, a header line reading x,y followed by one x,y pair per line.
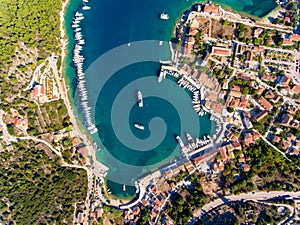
x,y
167,111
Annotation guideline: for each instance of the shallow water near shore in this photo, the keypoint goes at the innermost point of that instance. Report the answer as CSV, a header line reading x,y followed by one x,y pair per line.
x,y
108,25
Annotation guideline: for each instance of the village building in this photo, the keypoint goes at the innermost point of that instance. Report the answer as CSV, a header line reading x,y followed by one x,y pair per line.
x,y
265,104
220,51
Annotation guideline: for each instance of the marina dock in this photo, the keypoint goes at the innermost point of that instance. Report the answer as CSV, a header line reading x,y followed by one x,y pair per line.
x,y
78,60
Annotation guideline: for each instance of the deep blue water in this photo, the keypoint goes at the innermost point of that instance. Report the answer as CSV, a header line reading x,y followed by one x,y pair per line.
x,y
113,80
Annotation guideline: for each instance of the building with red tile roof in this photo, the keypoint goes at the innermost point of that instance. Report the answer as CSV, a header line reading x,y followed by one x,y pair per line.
x,y
276,139
260,116
286,119
294,151
189,167
223,153
211,9
188,47
295,37
296,89
83,151
37,90
18,123
287,19
145,202
290,137
236,88
237,145
258,48
198,160
219,51
270,94
265,104
292,109
285,144
286,80
246,167
268,77
193,31
287,42
251,138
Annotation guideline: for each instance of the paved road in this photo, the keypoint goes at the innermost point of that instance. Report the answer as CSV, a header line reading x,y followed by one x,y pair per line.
x,y
246,196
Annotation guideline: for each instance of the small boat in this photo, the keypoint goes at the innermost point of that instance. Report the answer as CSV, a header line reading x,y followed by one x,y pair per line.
x,y
139,126
179,141
161,42
161,75
137,189
124,187
164,16
85,7
140,99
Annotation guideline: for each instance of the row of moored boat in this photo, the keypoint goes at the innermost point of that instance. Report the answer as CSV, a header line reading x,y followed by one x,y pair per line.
x,y
78,60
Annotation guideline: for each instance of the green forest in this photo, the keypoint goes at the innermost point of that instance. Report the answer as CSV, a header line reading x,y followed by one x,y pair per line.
x,y
36,189
34,22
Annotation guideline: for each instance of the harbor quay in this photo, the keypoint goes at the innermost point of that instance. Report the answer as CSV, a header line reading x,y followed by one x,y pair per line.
x,y
196,152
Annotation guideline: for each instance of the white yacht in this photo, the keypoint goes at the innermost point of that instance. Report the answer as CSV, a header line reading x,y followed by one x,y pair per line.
x,y
139,126
140,99
85,7
179,141
164,16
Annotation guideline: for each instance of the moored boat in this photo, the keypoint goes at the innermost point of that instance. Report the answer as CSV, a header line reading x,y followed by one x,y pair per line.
x,y
85,7
139,126
180,142
164,16
140,99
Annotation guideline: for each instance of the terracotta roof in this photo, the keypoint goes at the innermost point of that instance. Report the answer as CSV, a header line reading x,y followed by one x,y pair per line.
x,y
295,37
287,42
268,77
223,153
285,144
246,167
198,160
243,103
236,94
286,119
188,47
258,48
286,80
270,94
210,9
83,151
287,19
17,122
296,89
221,51
236,145
276,139
193,31
264,103
236,88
